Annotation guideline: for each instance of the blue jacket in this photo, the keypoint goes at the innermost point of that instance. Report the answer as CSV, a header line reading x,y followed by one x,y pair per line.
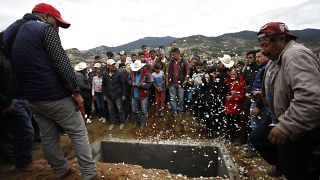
x,y
257,83
30,62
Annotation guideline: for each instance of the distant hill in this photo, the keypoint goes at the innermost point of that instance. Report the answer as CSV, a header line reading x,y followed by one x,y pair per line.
x,y
235,44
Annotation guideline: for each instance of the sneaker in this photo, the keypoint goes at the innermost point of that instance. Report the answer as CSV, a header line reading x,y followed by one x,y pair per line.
x,y
111,127
161,114
88,121
100,119
103,120
156,114
135,125
121,125
143,125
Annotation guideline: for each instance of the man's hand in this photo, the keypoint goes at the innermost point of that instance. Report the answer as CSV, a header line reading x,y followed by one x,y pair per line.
x,y
257,95
207,77
276,136
123,98
184,83
78,100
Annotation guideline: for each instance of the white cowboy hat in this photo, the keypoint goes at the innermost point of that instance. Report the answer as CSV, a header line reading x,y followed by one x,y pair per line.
x,y
110,62
137,65
81,66
122,53
226,61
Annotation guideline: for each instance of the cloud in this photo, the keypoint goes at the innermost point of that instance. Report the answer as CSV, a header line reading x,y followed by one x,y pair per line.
x,y
113,22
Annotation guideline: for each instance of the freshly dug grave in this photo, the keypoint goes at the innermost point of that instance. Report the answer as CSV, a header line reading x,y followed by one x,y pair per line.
x,y
164,128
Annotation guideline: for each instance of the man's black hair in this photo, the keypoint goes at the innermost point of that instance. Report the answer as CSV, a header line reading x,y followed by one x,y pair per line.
x,y
157,65
141,53
152,51
175,50
110,54
253,52
121,65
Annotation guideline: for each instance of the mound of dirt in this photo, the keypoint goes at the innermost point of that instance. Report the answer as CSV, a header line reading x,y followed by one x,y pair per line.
x,y
158,128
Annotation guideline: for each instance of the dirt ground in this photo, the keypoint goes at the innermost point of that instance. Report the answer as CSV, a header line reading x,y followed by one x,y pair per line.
x,y
165,128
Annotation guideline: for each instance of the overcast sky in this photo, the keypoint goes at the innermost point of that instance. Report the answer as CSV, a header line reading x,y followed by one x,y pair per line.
x,y
117,22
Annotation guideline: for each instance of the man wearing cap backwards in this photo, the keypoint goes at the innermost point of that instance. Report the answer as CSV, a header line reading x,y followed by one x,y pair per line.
x,y
50,86
291,95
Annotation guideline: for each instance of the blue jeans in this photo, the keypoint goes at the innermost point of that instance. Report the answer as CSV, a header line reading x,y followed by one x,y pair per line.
x,y
176,92
100,104
137,105
115,105
257,120
23,133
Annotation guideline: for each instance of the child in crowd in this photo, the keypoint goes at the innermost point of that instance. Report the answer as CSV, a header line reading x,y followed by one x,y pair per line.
x,y
160,90
140,82
214,93
152,59
127,101
196,80
85,90
134,57
98,95
233,103
190,89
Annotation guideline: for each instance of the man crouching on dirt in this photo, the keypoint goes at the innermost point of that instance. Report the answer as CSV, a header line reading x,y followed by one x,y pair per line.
x,y
291,95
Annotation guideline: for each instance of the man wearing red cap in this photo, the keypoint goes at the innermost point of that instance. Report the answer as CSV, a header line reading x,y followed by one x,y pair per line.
x,y
291,95
49,83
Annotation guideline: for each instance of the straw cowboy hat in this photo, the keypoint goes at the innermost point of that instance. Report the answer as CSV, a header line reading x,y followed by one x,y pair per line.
x,y
81,66
137,65
226,61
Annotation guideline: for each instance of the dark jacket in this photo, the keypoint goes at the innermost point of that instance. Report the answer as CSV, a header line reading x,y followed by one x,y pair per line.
x,y
115,86
30,61
84,84
249,74
8,83
214,93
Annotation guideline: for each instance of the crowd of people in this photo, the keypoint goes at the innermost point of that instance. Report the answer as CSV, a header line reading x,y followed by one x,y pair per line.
x,y
270,101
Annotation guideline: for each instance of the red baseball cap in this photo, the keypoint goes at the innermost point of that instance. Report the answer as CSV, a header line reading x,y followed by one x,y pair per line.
x,y
47,8
272,28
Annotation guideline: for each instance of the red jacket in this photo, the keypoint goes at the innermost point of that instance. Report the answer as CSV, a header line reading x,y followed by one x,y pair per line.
x,y
234,105
144,83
